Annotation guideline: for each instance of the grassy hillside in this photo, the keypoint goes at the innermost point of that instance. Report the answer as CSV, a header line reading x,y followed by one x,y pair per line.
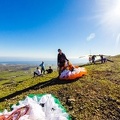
x,y
95,96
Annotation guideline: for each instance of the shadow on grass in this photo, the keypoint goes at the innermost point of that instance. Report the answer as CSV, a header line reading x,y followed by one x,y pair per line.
x,y
51,82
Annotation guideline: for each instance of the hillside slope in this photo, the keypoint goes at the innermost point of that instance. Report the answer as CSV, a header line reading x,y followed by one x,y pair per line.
x,y
95,96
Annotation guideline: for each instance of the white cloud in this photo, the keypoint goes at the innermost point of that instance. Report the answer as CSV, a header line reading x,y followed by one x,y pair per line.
x,y
91,37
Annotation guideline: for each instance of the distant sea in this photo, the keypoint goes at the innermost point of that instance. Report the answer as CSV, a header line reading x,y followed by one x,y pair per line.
x,y
36,63
27,62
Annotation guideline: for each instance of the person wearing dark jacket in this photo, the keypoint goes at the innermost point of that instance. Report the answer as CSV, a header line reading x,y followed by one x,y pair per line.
x,y
61,59
50,70
102,59
93,59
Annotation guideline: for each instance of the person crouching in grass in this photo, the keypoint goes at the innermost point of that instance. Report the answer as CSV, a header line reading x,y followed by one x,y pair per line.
x,y
37,72
50,70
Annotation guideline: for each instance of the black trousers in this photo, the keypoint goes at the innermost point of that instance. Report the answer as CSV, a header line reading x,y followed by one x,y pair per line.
x,y
61,67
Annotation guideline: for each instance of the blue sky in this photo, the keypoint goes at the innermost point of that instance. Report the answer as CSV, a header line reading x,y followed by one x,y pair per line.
x,y
37,28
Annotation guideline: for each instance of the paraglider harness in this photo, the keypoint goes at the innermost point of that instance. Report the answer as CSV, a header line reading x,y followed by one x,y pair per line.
x,y
67,66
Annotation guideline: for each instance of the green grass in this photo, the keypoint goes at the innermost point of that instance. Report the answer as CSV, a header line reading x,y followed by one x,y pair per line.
x,y
95,96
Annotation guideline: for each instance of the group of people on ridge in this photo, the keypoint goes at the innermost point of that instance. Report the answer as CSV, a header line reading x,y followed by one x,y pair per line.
x,y
92,59
61,61
42,71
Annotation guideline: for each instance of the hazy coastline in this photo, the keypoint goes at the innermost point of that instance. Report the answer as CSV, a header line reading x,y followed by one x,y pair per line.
x,y
35,62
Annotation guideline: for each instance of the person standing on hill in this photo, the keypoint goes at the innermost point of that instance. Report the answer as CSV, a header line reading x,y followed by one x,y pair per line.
x,y
93,59
42,67
61,59
102,59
